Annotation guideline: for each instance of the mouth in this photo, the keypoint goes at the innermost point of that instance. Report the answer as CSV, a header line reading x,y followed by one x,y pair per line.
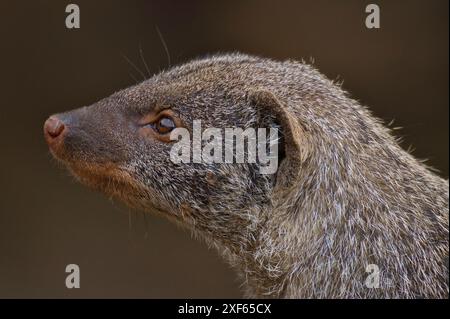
x,y
109,179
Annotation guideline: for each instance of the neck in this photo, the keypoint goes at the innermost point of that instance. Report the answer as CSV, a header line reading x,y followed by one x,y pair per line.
x,y
317,240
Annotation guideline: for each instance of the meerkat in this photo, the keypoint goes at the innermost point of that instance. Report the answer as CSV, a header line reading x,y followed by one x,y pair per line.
x,y
346,198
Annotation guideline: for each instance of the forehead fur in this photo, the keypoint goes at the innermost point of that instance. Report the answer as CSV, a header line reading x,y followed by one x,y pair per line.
x,y
230,75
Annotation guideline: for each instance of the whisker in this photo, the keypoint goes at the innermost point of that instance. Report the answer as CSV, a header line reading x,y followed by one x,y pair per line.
x,y
130,224
164,45
134,66
146,225
141,53
134,78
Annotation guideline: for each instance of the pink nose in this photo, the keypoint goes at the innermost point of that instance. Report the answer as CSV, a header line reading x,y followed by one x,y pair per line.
x,y
53,127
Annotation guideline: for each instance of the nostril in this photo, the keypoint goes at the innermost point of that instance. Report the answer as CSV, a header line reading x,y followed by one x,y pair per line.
x,y
53,126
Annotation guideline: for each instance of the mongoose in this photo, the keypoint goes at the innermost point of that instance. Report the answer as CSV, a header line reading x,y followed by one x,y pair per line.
x,y
347,203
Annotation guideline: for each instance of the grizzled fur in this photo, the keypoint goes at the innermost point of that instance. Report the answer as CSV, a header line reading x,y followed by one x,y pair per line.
x,y
346,195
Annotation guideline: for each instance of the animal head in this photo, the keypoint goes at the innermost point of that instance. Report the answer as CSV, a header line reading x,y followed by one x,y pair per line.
x,y
121,145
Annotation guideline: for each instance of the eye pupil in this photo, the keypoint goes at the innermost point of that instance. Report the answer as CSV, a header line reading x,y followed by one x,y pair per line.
x,y
165,125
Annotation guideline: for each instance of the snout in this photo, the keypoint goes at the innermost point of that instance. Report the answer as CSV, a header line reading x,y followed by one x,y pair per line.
x,y
87,134
54,131
63,133
87,142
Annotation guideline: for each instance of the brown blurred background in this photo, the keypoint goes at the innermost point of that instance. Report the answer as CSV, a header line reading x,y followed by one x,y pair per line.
x,y
48,221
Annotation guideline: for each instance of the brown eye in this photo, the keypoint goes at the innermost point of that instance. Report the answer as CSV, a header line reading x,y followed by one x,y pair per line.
x,y
159,123
164,125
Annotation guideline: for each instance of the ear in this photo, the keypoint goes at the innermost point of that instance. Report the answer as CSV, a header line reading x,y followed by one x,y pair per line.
x,y
293,137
